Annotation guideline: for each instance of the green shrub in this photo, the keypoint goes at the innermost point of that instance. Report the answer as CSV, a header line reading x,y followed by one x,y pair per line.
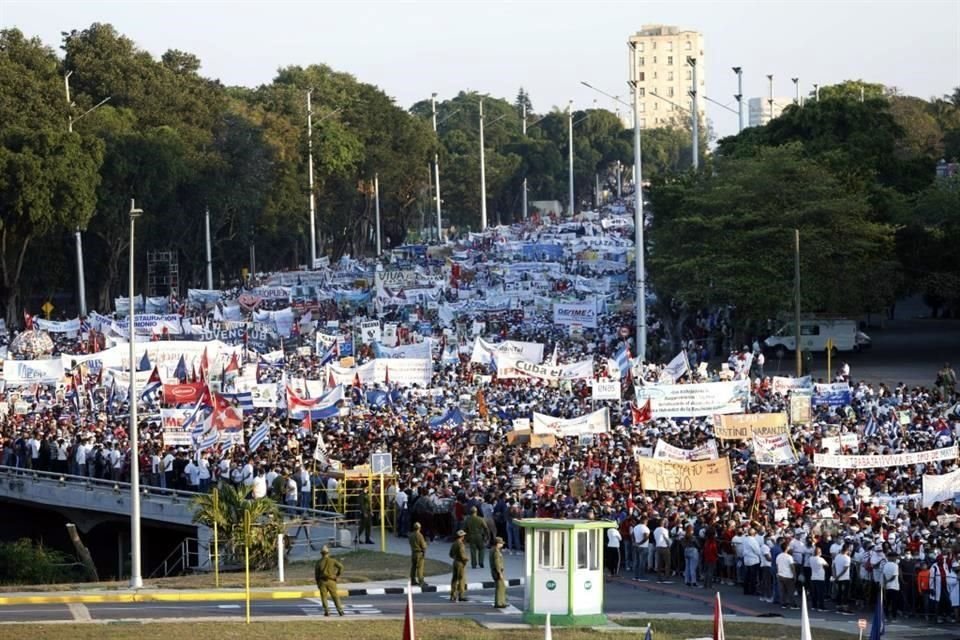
x,y
23,562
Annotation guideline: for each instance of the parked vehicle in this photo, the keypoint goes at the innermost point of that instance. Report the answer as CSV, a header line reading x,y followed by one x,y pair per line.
x,y
815,334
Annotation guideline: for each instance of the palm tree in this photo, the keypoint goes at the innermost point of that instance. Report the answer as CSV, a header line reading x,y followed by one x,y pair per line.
x,y
228,509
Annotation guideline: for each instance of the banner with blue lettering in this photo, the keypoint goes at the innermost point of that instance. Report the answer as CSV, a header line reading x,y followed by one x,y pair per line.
x,y
837,394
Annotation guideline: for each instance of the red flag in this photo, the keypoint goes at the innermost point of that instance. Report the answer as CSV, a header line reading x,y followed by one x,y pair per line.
x,y
408,631
306,425
356,380
331,381
718,620
642,414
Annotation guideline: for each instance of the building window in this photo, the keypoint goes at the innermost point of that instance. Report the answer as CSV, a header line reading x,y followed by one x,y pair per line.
x,y
669,92
640,61
640,47
688,45
653,45
654,75
641,91
643,122
553,545
643,107
640,76
670,76
670,60
656,106
587,552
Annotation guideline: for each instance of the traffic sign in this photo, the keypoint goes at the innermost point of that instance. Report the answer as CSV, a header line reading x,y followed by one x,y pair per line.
x,y
47,309
381,463
862,623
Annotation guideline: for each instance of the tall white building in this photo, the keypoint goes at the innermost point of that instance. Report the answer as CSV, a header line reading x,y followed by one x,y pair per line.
x,y
759,110
664,78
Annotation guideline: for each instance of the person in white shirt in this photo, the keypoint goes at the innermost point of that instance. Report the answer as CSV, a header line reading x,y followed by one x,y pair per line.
x,y
204,473
841,575
640,535
303,480
891,585
246,475
167,479
192,471
818,579
786,576
766,575
751,562
259,486
613,550
291,495
155,469
661,540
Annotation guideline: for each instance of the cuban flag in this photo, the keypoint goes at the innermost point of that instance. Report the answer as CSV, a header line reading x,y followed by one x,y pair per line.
x,y
331,354
208,440
242,400
258,437
73,396
227,446
199,421
322,408
871,428
619,364
306,425
154,387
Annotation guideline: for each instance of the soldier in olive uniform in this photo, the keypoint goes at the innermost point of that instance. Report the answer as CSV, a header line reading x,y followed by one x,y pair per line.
x,y
498,575
418,550
476,536
458,584
327,572
365,516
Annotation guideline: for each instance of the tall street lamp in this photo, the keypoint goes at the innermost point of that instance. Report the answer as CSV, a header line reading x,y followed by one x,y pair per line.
x,y
136,580
739,96
483,177
81,278
436,167
570,156
694,113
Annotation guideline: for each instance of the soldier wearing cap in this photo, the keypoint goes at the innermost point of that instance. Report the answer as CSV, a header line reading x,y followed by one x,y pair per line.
x,y
418,550
497,573
458,553
327,572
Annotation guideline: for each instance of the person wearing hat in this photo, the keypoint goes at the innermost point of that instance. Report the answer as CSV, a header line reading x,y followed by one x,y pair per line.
x,y
498,574
418,550
326,573
458,583
476,536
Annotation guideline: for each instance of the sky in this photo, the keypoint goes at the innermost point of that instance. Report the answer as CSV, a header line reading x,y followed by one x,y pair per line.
x,y
411,49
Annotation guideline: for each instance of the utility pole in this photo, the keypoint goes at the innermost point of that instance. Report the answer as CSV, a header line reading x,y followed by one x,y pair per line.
x,y
739,97
136,579
796,303
523,120
483,177
570,156
770,99
619,183
436,169
206,219
816,92
638,242
313,212
796,91
694,114
376,205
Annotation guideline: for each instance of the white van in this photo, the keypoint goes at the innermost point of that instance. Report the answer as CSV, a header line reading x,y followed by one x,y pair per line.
x,y
814,334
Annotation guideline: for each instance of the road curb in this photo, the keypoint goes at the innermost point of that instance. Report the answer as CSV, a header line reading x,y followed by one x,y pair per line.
x,y
230,596
677,593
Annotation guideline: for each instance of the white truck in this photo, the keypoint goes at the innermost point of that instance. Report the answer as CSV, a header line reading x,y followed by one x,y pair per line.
x,y
814,335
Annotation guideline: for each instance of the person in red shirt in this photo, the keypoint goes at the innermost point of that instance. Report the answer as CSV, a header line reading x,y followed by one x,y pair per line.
x,y
711,553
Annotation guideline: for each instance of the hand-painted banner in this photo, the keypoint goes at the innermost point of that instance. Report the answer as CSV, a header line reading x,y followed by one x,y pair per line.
x,y
834,444
595,422
606,390
664,451
583,314
676,477
832,461
743,426
173,432
403,372
52,326
575,371
419,350
773,450
782,385
20,372
940,488
836,394
694,400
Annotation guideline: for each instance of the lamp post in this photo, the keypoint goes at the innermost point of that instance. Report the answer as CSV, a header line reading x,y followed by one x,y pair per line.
x,y
436,168
816,91
81,278
376,205
136,580
694,113
523,121
770,98
570,155
313,212
739,96
206,224
796,91
483,177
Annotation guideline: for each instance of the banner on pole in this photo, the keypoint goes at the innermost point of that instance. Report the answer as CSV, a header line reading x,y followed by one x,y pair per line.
x,y
773,450
606,390
743,426
694,400
664,451
833,461
595,422
674,476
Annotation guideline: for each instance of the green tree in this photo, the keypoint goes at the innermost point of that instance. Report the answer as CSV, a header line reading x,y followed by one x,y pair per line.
x,y
229,510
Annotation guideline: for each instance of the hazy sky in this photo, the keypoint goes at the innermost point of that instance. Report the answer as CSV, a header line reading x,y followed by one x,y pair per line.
x,y
411,49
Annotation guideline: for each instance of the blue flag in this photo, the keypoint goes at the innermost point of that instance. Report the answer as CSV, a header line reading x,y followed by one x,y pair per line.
x,y
878,626
181,371
145,363
450,418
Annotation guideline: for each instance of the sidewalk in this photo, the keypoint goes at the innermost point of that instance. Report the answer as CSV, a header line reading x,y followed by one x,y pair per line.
x,y
477,579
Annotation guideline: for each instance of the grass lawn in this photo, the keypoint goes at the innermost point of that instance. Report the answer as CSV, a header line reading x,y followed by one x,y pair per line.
x,y
358,566
377,630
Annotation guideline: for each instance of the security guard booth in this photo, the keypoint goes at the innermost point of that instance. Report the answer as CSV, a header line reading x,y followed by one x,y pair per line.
x,y
563,568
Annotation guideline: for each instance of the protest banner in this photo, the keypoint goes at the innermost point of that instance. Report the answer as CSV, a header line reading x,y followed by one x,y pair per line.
x,y
800,410
403,372
574,371
674,476
781,385
370,331
606,390
419,350
521,424
183,393
595,422
583,314
529,351
743,426
20,372
532,440
173,432
694,400
833,461
53,326
836,394
664,451
265,395
940,488
773,450
835,444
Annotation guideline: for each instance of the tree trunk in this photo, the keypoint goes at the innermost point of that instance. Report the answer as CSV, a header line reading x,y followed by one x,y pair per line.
x,y
83,552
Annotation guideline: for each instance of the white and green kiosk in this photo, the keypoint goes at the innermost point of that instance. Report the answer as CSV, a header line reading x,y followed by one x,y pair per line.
x,y
563,568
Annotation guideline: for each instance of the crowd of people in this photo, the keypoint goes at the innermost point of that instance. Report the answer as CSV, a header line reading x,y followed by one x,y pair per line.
x,y
843,534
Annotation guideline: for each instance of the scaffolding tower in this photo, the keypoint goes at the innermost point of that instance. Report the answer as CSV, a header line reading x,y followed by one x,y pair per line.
x,y
163,274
